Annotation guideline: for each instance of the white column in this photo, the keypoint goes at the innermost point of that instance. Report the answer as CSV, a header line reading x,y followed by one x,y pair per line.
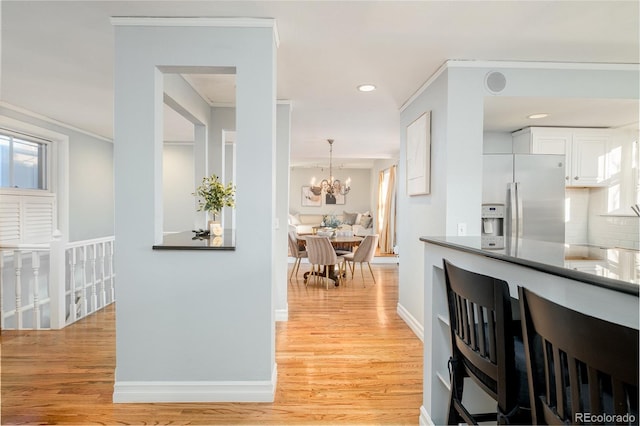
x,y
225,284
57,282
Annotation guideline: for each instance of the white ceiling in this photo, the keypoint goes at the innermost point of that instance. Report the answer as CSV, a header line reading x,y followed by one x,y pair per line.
x,y
57,60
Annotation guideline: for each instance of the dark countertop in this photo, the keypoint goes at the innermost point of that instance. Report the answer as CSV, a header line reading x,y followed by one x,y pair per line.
x,y
614,268
187,241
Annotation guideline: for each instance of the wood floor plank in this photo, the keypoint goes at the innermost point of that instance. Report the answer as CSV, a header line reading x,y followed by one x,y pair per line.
x,y
344,357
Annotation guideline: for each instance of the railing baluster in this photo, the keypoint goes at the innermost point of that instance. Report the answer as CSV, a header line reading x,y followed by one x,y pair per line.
x,y
83,295
111,282
103,290
73,304
94,279
35,264
17,261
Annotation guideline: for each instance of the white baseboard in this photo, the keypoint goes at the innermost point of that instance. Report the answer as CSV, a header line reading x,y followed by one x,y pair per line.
x,y
193,391
282,314
411,321
425,418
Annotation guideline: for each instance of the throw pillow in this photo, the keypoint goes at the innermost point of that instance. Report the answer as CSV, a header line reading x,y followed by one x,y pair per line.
x,y
349,218
366,222
294,219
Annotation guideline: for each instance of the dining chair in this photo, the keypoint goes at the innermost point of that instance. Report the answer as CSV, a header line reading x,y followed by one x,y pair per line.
x,y
578,365
321,254
485,348
296,252
363,254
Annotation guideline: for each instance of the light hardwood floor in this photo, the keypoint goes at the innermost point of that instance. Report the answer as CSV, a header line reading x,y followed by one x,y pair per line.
x,y
344,357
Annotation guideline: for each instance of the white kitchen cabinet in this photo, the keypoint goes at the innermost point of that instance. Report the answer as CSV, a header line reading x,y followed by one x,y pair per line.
x,y
588,158
585,150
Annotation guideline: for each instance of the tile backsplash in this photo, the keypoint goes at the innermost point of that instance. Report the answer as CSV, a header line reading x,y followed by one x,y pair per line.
x,y
615,231
587,224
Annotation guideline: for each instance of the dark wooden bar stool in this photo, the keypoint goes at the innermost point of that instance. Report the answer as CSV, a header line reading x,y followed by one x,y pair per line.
x,y
484,347
582,370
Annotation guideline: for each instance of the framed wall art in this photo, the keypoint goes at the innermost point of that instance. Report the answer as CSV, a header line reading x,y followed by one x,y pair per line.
x,y
309,199
337,199
419,155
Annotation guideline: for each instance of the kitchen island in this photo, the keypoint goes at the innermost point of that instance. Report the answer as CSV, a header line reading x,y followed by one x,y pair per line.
x,y
600,282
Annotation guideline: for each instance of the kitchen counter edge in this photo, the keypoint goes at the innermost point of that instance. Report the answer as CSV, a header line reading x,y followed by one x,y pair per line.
x,y
609,283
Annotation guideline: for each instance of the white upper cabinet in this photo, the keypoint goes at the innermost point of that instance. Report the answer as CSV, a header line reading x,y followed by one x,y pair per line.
x,y
585,151
588,158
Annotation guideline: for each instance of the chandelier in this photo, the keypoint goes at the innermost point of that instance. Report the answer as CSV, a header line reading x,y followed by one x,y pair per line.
x,y
331,186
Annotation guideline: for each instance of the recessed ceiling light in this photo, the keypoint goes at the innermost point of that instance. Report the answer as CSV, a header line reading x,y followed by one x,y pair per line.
x,y
540,115
366,88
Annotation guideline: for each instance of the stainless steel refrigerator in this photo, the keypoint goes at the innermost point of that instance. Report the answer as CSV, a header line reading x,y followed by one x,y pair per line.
x,y
532,188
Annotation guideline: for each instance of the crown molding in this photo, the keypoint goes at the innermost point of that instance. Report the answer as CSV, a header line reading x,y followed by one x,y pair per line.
x,y
594,66
424,86
469,63
49,120
236,22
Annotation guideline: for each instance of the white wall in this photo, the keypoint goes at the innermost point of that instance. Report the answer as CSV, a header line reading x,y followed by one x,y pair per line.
x,y
91,190
497,143
421,215
178,187
218,312
357,200
222,119
281,248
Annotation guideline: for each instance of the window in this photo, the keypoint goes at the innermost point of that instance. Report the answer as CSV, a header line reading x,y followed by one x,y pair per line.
x,y
23,162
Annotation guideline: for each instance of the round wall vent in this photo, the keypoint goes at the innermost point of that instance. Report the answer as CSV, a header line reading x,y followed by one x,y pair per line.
x,y
495,81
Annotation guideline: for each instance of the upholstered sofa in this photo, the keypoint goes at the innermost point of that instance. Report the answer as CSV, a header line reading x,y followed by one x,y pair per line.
x,y
360,223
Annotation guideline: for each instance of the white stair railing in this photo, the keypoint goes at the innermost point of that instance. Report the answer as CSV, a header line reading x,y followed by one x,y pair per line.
x,y
23,294
49,286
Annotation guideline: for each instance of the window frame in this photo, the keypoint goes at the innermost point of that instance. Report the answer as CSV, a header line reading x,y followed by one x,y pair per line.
x,y
48,163
44,128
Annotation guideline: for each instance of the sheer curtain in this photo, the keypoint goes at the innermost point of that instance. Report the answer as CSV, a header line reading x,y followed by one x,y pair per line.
x,y
387,209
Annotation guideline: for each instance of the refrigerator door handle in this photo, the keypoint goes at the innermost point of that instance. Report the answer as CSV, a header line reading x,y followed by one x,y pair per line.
x,y
519,211
512,210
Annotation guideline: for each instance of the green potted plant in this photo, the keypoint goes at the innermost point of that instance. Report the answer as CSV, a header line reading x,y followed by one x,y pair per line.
x,y
213,195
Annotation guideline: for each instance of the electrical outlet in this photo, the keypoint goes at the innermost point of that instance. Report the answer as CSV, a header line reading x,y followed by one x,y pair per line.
x,y
462,229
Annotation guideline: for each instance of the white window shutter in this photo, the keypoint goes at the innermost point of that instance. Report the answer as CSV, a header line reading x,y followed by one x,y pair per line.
x,y
27,218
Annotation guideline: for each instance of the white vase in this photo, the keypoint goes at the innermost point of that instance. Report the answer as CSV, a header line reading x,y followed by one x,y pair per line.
x,y
214,226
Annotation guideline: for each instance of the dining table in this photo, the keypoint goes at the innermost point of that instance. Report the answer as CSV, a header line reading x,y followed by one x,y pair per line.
x,y
339,243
